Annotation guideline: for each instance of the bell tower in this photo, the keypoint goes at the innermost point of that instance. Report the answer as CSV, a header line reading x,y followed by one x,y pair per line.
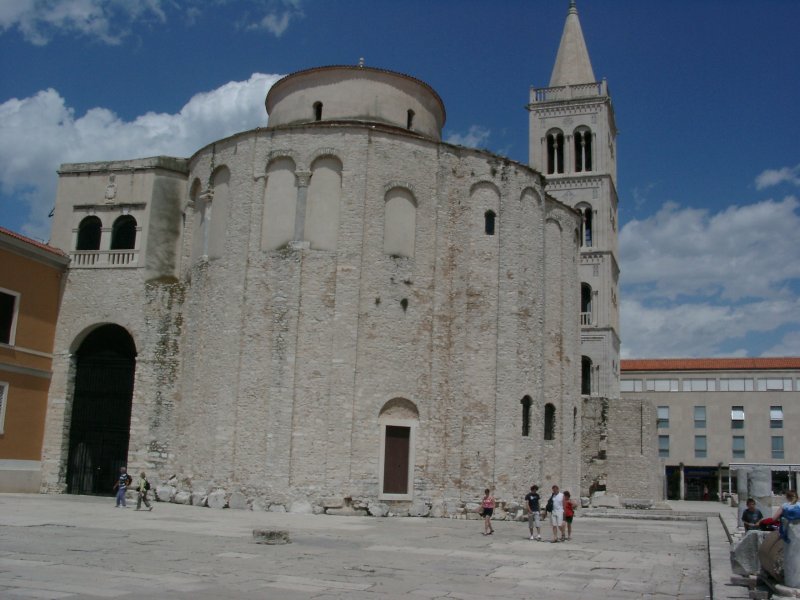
x,y
573,144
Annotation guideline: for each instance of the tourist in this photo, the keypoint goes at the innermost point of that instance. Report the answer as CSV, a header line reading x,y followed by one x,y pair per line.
x,y
555,506
121,485
487,509
789,512
751,516
532,505
142,487
569,512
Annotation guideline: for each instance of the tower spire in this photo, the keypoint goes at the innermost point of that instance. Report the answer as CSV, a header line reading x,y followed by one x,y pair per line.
x,y
572,61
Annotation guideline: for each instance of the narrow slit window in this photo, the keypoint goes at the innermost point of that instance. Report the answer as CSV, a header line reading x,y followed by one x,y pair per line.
x,y
549,422
318,111
410,119
489,222
526,415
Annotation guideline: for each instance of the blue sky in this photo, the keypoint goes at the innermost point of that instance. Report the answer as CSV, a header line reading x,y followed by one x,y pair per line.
x,y
705,94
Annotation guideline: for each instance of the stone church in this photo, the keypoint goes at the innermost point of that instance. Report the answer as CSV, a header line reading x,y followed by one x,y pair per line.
x,y
340,309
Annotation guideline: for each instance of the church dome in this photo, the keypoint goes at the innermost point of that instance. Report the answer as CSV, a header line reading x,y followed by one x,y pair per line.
x,y
356,93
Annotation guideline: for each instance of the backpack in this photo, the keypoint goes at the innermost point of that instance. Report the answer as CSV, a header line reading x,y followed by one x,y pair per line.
x,y
128,480
549,507
146,485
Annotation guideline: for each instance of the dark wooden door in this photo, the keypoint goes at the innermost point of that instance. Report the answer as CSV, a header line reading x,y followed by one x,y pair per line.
x,y
395,465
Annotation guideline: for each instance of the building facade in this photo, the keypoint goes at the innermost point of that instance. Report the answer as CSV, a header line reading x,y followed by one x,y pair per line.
x,y
31,281
717,416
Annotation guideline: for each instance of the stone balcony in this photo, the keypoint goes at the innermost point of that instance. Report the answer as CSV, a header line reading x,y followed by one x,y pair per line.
x,y
597,89
103,259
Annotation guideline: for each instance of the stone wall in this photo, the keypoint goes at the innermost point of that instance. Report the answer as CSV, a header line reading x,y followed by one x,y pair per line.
x,y
263,373
620,448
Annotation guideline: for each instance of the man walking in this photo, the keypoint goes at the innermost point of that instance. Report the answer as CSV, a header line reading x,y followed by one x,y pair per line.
x,y
556,505
532,504
121,487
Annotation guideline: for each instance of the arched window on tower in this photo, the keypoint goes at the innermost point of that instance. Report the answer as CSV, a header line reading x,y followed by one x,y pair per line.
x,y
410,119
586,304
555,152
549,422
123,233
526,415
318,111
89,234
583,149
488,222
586,376
586,225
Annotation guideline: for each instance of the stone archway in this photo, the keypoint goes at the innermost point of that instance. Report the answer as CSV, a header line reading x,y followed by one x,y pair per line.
x,y
101,410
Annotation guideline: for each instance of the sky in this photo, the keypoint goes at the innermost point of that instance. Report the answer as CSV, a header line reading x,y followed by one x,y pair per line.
x,y
705,94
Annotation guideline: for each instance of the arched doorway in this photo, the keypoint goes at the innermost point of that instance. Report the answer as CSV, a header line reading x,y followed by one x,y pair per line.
x,y
101,410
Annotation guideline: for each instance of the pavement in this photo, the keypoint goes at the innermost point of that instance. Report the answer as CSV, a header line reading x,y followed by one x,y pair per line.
x,y
59,546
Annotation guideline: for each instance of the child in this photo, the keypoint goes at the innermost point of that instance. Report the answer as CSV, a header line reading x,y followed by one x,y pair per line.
x,y
121,486
142,486
751,516
569,512
487,506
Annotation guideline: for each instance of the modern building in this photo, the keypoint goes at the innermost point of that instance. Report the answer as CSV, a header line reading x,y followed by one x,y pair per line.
x,y
717,415
31,281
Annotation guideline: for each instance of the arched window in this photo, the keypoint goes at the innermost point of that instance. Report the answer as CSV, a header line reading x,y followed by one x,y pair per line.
x,y
586,376
574,423
322,204
586,225
488,222
410,119
526,415
586,304
549,422
89,234
555,152
318,111
583,149
399,222
123,233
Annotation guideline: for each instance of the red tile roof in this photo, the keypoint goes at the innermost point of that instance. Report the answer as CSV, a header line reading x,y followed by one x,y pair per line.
x,y
32,242
710,364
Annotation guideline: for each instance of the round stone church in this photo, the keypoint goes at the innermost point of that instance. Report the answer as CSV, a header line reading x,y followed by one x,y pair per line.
x,y
339,308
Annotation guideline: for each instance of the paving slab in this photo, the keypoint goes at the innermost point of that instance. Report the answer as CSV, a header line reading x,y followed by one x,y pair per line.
x,y
82,547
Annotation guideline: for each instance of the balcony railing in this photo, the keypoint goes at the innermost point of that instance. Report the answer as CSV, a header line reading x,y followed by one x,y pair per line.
x,y
103,259
586,318
570,92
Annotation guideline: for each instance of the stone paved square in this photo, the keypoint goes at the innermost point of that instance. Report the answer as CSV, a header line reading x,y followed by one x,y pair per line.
x,y
82,547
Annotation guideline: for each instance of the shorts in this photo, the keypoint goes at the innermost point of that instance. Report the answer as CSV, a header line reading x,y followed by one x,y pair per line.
x,y
533,519
487,512
568,519
557,518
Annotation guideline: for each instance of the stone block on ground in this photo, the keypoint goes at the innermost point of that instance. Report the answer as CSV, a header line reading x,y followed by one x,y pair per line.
x,y
603,500
744,555
770,554
333,502
419,509
183,498
378,509
217,499
277,508
346,511
165,493
199,498
238,501
271,537
302,507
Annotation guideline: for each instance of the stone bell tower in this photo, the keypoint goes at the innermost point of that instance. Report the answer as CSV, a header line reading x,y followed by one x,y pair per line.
x,y
573,143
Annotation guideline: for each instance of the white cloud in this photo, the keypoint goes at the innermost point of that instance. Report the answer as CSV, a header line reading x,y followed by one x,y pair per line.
x,y
274,23
788,346
740,252
105,20
40,132
772,177
476,137
696,283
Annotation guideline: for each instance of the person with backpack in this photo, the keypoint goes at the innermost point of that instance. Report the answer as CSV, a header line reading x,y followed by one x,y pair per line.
x,y
142,487
121,486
